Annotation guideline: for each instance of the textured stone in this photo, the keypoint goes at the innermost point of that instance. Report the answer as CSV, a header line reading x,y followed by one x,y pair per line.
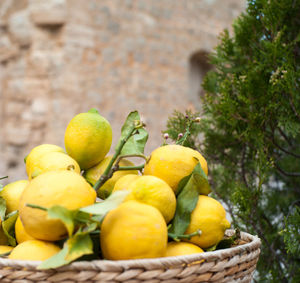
x,y
48,13
16,135
7,49
20,27
116,56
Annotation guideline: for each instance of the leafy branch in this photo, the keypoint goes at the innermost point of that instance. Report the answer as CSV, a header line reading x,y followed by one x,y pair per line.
x,y
131,144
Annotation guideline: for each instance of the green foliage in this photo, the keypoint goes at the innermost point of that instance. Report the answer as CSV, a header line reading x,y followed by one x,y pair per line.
x,y
8,226
251,130
188,191
179,122
137,141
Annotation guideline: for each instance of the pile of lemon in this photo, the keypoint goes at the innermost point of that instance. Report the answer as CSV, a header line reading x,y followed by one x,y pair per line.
x,y
138,227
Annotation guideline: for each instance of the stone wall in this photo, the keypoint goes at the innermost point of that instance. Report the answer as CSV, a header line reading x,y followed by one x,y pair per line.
x,y
62,57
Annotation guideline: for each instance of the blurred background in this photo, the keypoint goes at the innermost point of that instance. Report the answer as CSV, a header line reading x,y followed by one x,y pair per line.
x,y
62,57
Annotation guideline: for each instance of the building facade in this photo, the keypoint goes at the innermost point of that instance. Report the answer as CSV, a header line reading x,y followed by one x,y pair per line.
x,y
62,57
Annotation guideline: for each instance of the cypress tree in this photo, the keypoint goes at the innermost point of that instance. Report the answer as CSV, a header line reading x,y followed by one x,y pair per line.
x,y
250,131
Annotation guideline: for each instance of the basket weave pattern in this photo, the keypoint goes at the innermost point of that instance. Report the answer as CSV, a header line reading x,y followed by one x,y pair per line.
x,y
236,264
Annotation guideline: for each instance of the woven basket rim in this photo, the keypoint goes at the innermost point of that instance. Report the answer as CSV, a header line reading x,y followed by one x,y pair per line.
x,y
253,244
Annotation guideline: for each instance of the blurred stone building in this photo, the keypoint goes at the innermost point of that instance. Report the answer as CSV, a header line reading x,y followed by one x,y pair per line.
x,y
62,57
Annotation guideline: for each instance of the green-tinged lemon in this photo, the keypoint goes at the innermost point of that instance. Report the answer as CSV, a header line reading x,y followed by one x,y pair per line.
x,y
88,138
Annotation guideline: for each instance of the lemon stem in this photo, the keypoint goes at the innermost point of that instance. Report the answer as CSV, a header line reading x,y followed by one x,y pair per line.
x,y
109,170
36,206
177,238
1,178
123,168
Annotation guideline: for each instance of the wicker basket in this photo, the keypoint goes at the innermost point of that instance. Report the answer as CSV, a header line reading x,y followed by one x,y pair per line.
x,y
235,264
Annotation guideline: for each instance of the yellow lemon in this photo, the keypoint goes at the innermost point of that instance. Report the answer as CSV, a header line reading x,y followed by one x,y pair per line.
x,y
51,161
34,250
21,234
64,188
88,138
156,192
210,217
133,230
5,249
93,174
12,193
182,248
37,152
173,162
124,182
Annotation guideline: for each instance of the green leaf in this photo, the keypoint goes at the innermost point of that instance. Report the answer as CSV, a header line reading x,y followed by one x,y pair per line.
x,y
56,260
65,215
137,142
186,202
110,203
5,254
75,247
80,244
2,208
8,226
201,180
211,249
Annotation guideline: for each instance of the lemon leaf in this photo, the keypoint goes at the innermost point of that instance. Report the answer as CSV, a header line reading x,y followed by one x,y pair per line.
x,y
201,180
8,226
2,208
105,206
136,143
56,260
211,249
80,244
187,197
186,203
65,215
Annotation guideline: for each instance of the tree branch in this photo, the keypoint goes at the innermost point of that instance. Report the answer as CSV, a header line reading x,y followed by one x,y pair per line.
x,y
287,174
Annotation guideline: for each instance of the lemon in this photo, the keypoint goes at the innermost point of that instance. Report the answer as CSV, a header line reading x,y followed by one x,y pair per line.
x,y
37,152
93,174
173,162
88,138
21,234
64,188
124,181
133,230
12,193
51,161
5,249
182,248
156,192
210,217
34,250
